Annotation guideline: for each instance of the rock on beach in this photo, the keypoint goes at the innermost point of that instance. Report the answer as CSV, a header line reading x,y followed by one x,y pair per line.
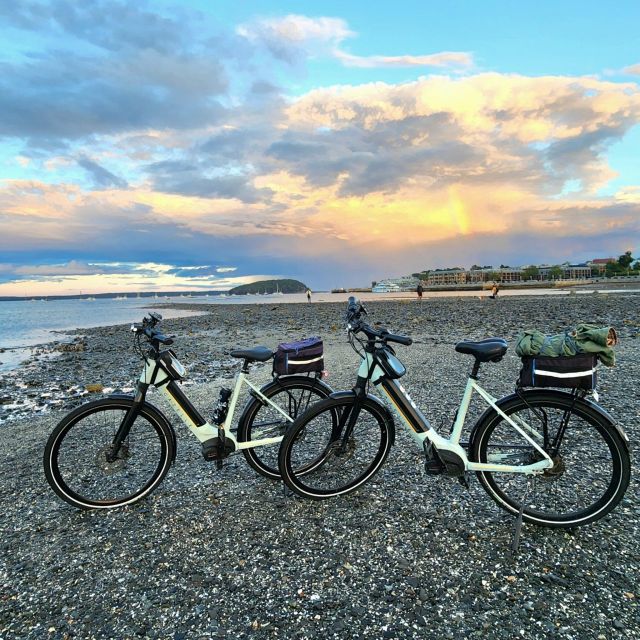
x,y
228,555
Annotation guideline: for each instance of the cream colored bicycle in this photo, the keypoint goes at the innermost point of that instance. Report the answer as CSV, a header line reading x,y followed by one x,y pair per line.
x,y
114,451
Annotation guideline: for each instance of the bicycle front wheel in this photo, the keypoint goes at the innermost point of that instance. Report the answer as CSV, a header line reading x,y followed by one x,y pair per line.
x,y
287,398
77,462
331,451
591,468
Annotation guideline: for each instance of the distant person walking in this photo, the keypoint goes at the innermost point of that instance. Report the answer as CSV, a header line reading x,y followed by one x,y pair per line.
x,y
419,291
494,290
308,295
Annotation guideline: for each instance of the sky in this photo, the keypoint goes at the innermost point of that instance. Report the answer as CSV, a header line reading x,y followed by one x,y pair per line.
x,y
196,145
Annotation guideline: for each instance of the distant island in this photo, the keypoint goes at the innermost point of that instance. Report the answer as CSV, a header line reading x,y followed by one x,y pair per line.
x,y
270,286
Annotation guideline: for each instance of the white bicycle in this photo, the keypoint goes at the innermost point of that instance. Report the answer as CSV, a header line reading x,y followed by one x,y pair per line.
x,y
552,458
114,451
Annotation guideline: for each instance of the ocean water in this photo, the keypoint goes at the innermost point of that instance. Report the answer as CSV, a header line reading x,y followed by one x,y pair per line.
x,y
24,324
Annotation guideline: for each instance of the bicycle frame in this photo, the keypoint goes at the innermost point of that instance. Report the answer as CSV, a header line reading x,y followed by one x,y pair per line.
x,y
420,429
154,374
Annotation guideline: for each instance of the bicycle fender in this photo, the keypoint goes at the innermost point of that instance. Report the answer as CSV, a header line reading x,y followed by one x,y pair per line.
x,y
157,414
339,395
606,416
588,405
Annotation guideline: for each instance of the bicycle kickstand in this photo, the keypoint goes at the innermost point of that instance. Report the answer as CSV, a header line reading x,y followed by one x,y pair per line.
x,y
517,530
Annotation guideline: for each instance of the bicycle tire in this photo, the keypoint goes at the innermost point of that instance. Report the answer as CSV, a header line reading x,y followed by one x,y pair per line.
x,y
260,420
75,463
306,460
591,471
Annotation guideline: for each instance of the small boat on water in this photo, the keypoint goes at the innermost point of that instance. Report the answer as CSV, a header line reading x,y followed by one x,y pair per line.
x,y
385,287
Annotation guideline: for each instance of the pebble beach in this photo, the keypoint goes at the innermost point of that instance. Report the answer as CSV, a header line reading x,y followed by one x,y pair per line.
x,y
228,554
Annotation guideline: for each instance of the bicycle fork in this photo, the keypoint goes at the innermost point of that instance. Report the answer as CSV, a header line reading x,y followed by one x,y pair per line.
x,y
127,422
348,419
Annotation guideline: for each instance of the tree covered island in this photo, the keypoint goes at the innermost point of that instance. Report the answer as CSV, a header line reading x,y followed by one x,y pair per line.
x,y
270,286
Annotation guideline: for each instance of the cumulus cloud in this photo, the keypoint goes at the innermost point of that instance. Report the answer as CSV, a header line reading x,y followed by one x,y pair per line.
x,y
535,132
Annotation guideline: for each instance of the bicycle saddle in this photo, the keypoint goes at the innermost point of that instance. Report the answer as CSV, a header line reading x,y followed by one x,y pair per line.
x,y
256,354
488,350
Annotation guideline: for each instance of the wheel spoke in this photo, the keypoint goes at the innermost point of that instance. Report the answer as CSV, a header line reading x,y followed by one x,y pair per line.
x,y
584,478
83,469
320,463
293,396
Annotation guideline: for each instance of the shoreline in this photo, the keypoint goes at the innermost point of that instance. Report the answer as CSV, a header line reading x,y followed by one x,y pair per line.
x,y
57,373
12,357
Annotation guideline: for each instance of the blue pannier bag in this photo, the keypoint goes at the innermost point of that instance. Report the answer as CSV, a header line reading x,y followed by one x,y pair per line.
x,y
301,356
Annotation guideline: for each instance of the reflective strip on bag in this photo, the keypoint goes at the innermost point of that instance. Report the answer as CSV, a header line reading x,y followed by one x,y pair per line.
x,y
553,374
304,361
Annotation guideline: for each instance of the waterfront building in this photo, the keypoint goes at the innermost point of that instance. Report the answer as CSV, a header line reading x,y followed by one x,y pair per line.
x,y
600,264
569,272
447,276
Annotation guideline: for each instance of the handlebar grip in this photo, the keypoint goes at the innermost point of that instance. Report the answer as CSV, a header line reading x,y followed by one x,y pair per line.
x,y
405,340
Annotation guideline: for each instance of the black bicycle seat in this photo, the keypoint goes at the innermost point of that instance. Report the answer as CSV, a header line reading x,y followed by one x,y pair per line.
x,y
488,350
255,354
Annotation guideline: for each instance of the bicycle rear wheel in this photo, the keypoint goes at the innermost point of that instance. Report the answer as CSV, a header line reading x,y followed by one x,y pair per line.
x,y
591,469
290,396
77,463
322,457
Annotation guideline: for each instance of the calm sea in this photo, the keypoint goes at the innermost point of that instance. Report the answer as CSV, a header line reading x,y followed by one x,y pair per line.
x,y
27,323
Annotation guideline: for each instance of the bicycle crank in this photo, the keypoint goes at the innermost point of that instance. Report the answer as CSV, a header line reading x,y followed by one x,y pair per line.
x,y
212,449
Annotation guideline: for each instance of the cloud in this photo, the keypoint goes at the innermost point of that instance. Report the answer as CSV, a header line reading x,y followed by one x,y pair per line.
x,y
201,271
73,268
292,36
189,180
288,37
101,177
445,59
632,70
106,24
115,68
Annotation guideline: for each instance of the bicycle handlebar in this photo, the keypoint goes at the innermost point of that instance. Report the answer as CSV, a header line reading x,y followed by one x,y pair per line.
x,y
355,310
147,328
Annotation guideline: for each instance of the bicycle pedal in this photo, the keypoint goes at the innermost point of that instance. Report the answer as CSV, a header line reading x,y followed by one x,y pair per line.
x,y
433,467
464,480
